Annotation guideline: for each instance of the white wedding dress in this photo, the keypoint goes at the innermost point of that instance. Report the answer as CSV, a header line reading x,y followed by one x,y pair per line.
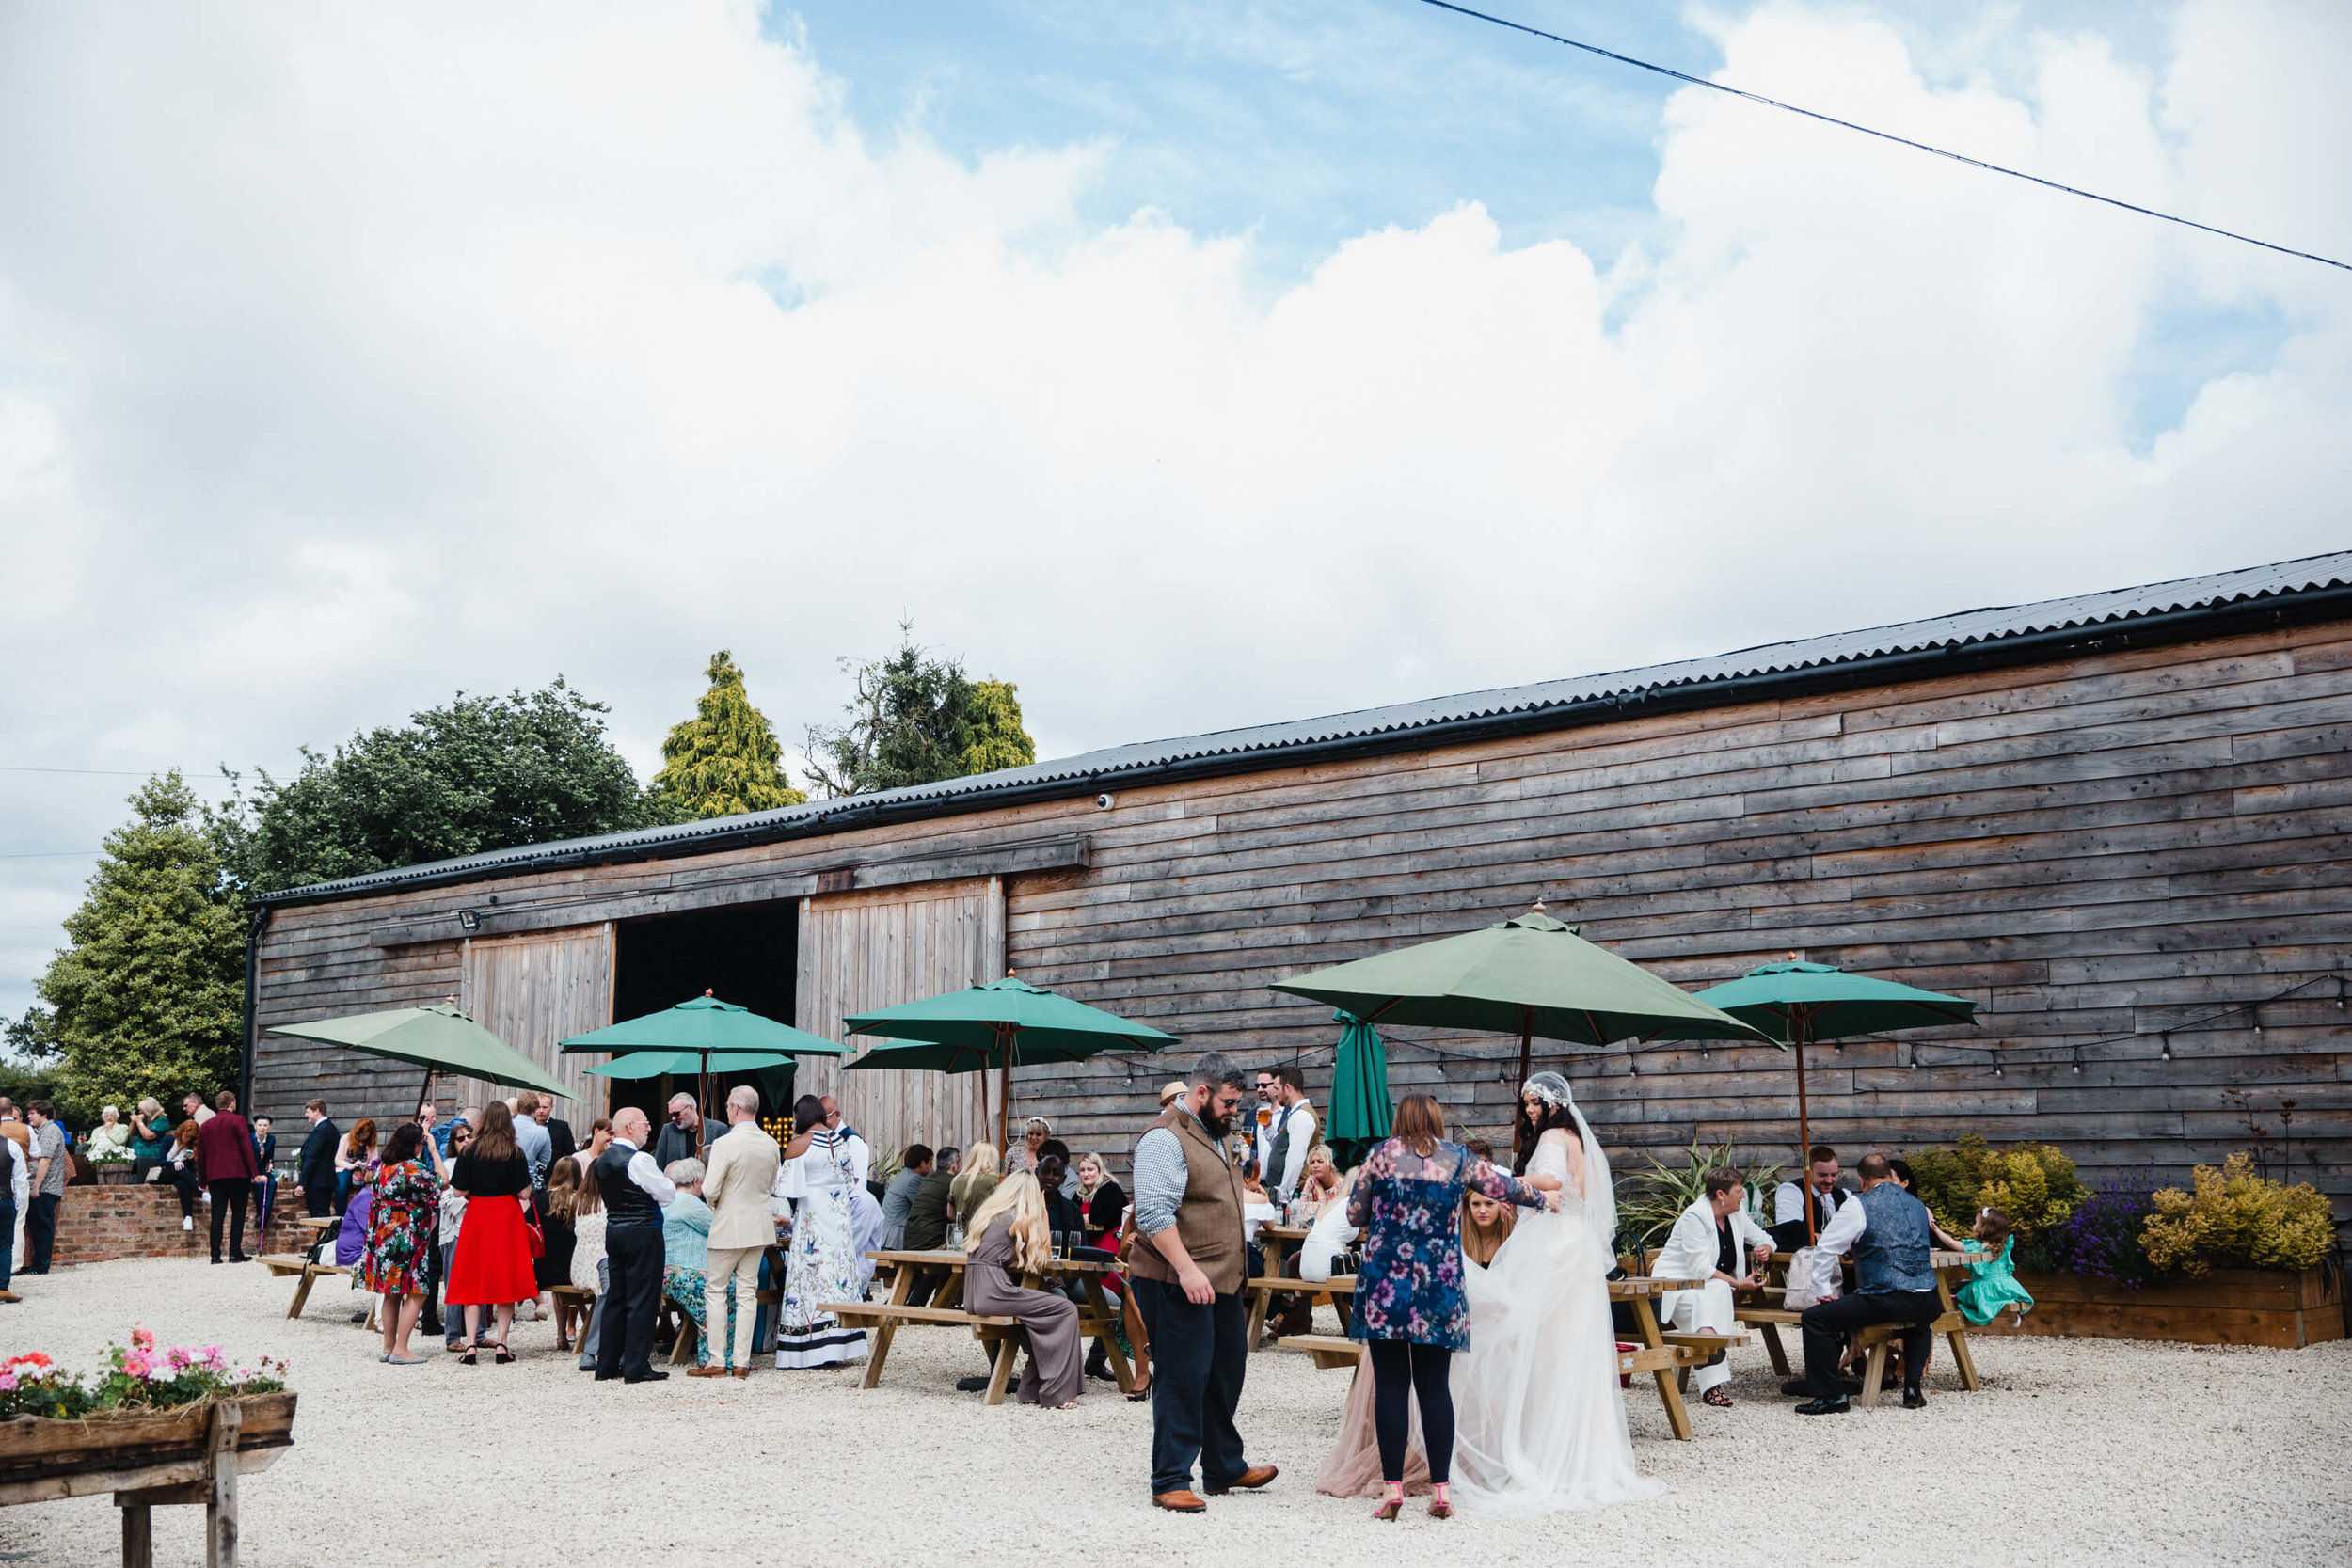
x,y
1539,1421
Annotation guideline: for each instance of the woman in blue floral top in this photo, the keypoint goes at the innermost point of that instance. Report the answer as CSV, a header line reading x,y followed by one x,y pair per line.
x,y
1409,1309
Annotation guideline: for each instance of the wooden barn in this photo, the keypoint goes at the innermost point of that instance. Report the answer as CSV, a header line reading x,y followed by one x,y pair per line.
x,y
2116,821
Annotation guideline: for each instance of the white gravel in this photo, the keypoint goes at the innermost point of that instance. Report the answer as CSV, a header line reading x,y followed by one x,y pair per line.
x,y
2076,1452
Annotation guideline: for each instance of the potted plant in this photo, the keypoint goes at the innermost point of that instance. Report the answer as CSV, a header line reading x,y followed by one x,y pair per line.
x,y
151,1406
111,1166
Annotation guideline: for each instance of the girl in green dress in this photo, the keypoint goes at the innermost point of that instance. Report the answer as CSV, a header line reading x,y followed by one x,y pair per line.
x,y
1992,1288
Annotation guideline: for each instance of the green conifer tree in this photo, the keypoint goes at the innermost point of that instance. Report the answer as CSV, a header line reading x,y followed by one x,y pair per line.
x,y
149,998
725,760
998,741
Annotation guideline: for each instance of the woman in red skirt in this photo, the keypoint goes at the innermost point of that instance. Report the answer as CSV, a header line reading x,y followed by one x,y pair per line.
x,y
491,1264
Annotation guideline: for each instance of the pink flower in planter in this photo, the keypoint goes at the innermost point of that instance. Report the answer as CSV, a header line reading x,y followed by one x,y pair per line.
x,y
7,1381
142,1339
139,1363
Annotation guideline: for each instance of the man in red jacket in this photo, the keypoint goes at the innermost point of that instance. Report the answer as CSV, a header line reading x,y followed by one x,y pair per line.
x,y
225,1163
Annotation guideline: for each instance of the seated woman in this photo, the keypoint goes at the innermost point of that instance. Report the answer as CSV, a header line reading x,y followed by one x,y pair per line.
x,y
1102,1203
151,1135
181,1163
109,1134
1319,1187
686,1257
1009,1237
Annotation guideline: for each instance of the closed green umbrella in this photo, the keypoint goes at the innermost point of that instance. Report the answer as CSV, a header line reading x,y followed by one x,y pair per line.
x,y
1002,1024
439,1039
1798,1004
1527,976
1360,1083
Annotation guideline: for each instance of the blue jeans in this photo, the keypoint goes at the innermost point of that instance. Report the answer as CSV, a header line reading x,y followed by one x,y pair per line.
x,y
40,1232
1198,1358
8,1242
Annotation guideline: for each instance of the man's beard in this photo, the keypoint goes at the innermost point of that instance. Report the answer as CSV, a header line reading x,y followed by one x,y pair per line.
x,y
1217,1126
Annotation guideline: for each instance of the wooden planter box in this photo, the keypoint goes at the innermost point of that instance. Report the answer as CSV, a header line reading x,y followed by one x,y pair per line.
x,y
113,1174
2228,1306
41,1458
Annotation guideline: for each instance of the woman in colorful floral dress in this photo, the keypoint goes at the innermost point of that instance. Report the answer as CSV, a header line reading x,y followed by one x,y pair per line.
x,y
1409,1308
407,1209
822,1263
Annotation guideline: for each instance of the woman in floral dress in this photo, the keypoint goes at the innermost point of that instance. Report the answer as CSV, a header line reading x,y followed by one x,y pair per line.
x,y
1410,1311
822,1263
400,1230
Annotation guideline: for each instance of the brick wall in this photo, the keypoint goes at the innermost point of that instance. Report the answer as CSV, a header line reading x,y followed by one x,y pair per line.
x,y
96,1224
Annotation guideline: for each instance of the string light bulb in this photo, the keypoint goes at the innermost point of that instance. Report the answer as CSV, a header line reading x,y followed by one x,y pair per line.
x,y
2078,1061
2167,1054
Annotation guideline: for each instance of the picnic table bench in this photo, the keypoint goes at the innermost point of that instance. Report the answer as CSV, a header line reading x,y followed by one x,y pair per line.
x,y
1339,1291
1668,1357
1097,1320
1875,1338
306,1273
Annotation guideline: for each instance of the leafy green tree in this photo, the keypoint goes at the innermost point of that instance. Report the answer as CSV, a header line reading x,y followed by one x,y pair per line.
x,y
725,760
149,995
998,741
481,773
915,720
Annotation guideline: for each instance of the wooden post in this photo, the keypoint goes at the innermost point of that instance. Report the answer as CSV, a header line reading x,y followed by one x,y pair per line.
x,y
220,1505
138,1535
1804,1135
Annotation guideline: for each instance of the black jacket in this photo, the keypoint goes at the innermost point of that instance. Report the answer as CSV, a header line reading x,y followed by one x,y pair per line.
x,y
560,1134
317,1170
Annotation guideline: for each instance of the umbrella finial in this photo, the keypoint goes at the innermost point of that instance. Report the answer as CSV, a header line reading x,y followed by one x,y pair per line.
x,y
1792,954
1540,904
706,990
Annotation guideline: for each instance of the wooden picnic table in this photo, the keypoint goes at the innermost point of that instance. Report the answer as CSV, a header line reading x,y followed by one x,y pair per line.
x,y
1097,1320
1876,1337
1667,1355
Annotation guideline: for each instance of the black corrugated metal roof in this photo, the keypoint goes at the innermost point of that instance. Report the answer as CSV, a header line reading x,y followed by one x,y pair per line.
x,y
2186,607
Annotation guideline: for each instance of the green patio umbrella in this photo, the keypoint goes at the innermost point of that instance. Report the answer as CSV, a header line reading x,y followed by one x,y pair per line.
x,y
1528,976
439,1039
1801,1004
662,1064
700,1033
1360,1083
1002,1024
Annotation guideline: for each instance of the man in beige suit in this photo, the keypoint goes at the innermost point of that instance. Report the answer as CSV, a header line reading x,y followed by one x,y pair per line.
x,y
742,1170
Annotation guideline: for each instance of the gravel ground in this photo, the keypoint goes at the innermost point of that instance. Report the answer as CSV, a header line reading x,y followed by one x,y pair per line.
x,y
2076,1452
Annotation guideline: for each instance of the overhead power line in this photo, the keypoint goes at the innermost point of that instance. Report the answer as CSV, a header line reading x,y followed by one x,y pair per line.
x,y
1882,135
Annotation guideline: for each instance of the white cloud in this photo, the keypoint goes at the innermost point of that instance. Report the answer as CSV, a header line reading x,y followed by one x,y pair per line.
x,y
350,356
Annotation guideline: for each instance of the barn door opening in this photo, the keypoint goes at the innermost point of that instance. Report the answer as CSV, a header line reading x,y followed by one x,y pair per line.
x,y
535,988
742,953
866,950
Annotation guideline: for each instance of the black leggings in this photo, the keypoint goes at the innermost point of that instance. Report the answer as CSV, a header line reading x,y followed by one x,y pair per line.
x,y
1401,1368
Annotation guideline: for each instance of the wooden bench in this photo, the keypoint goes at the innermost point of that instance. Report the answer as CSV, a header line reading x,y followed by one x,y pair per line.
x,y
1876,1337
283,1265
1328,1349
1339,1290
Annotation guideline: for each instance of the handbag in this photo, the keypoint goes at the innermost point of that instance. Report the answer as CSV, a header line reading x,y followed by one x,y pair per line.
x,y
531,1228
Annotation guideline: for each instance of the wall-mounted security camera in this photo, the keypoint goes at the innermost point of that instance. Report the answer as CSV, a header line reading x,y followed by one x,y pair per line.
x,y
1104,802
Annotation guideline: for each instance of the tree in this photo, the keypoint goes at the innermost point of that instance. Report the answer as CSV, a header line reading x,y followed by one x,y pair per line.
x,y
725,760
149,995
914,720
481,773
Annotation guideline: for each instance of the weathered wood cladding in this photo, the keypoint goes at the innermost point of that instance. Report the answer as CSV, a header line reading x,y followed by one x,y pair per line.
x,y
2097,850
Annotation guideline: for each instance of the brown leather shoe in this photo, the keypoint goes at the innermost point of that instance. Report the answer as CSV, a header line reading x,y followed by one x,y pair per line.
x,y
1178,1502
9,1296
712,1370
1248,1480
741,1372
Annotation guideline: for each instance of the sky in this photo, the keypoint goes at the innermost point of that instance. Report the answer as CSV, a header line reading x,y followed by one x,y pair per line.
x,y
1192,365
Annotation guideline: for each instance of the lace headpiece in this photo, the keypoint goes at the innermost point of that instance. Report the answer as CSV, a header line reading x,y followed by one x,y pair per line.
x,y
1550,1087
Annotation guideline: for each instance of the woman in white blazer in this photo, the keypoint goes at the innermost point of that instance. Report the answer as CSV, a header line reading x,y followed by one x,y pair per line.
x,y
1717,1224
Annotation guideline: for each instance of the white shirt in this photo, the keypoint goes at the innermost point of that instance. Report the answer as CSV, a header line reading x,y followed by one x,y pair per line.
x,y
1845,1227
1789,1201
645,1174
20,1176
1282,1185
1325,1240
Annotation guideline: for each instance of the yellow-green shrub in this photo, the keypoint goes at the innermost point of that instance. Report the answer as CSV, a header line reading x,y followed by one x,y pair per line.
x,y
2236,1219
2034,1185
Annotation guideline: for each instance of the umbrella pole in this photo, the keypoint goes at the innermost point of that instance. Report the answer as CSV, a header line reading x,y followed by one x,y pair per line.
x,y
1804,1135
1004,1090
1527,1060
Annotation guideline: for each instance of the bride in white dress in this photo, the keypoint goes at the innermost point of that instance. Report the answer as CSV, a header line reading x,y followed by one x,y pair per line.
x,y
1539,1419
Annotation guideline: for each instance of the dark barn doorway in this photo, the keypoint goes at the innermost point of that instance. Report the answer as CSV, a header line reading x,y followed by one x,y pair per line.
x,y
747,954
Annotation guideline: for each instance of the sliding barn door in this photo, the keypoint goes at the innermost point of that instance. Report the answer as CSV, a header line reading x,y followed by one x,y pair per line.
x,y
866,950
533,989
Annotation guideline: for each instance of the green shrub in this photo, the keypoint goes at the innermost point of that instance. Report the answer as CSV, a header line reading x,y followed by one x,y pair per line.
x,y
2034,1184
2238,1220
1650,1201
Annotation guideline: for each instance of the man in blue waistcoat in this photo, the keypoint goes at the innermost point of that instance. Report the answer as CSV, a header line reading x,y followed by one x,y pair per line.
x,y
1886,1229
